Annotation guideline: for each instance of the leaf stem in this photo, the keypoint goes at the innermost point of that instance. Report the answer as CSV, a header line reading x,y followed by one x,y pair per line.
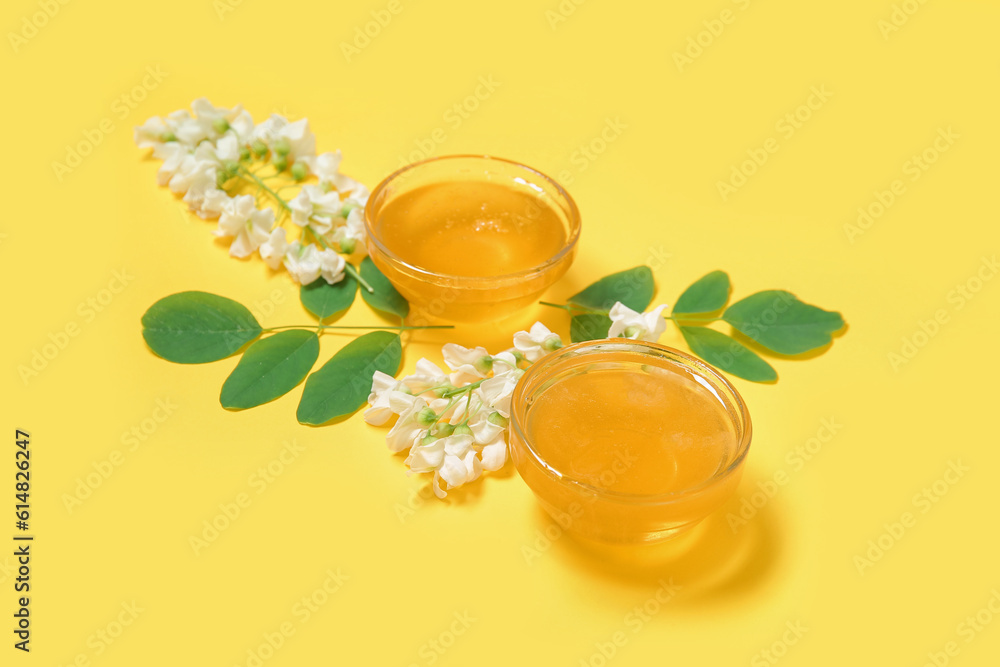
x,y
370,328
682,318
571,307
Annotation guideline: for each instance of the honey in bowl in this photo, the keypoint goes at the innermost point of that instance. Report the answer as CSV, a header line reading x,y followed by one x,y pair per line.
x,y
472,228
471,238
626,441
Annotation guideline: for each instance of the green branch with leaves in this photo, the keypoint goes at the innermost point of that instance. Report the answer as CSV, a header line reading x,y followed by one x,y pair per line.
x,y
775,320
198,327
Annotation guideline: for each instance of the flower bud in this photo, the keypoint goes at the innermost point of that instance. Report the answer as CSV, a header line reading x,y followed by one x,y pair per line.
x,y
259,148
442,390
484,364
281,146
631,332
245,154
346,208
347,246
552,344
426,417
498,419
299,171
280,163
168,136
427,439
462,429
220,125
442,430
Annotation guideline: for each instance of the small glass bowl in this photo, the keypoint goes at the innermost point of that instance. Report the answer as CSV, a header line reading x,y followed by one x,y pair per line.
x,y
439,296
609,516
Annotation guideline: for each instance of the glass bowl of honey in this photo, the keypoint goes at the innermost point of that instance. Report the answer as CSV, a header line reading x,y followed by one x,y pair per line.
x,y
471,238
628,442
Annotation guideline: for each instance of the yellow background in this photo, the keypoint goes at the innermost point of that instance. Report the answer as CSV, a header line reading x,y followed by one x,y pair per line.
x,y
651,196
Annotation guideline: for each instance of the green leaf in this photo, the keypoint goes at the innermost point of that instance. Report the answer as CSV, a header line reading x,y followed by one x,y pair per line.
x,y
385,297
633,287
270,368
197,327
780,322
342,385
728,354
324,300
706,295
589,326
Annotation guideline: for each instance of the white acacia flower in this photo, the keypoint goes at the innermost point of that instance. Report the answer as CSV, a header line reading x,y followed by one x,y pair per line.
x,y
267,132
273,250
490,432
316,208
206,200
306,263
355,191
154,132
414,418
469,365
428,376
227,148
242,219
460,408
192,172
626,323
324,166
295,137
331,266
452,460
537,342
350,236
173,154
379,399
503,362
497,390
242,126
302,142
209,122
302,262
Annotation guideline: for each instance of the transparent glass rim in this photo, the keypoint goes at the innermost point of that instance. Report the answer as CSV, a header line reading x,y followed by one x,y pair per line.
x,y
481,282
663,356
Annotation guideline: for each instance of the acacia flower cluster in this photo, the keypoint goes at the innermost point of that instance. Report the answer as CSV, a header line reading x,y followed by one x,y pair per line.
x,y
226,167
454,424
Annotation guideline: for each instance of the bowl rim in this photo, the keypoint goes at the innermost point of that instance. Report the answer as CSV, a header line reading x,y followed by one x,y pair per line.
x,y
665,355
484,282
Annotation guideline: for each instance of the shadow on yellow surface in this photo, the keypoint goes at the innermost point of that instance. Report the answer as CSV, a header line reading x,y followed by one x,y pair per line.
x,y
723,557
